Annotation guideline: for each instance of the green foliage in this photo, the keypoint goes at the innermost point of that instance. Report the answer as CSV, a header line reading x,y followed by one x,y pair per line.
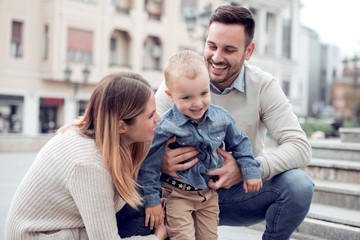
x,y
312,125
350,124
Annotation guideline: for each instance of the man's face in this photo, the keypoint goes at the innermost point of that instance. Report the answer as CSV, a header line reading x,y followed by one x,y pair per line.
x,y
225,53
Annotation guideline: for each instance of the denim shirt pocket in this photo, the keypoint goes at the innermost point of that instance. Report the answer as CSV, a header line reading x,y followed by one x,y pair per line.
x,y
185,140
217,135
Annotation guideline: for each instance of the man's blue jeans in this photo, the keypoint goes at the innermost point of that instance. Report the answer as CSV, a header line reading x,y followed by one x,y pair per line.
x,y
283,202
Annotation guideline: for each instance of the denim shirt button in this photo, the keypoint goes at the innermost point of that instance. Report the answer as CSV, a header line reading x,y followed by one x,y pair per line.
x,y
199,130
218,138
182,143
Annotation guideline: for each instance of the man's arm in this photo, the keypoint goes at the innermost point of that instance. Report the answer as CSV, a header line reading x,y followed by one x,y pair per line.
x,y
293,150
163,102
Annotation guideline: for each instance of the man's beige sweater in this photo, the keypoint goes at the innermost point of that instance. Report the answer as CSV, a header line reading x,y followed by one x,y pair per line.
x,y
66,194
262,107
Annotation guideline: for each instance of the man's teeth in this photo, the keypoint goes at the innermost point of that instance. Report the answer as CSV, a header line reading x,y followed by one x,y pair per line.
x,y
219,67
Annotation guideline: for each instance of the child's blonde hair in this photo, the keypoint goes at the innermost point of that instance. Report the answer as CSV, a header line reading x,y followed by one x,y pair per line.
x,y
185,64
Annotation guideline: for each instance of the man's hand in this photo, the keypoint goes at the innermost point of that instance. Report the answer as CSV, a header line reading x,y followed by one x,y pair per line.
x,y
155,215
228,175
173,157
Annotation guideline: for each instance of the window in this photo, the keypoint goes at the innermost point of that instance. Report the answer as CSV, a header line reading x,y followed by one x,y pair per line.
x,y
154,8
46,42
152,54
82,107
286,87
80,43
189,13
120,49
122,6
16,39
270,34
286,39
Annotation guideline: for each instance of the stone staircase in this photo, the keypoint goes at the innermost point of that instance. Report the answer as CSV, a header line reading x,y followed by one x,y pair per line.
x,y
335,169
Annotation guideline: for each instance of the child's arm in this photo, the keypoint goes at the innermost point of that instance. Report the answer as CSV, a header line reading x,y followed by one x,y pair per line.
x,y
154,215
252,185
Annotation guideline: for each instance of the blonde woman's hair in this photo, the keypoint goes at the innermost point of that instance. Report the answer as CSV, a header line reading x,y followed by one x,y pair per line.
x,y
183,64
119,96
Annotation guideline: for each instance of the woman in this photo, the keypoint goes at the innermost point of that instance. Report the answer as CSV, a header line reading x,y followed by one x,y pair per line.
x,y
87,172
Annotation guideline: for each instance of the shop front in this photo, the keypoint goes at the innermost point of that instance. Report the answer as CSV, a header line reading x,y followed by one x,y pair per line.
x,y
51,114
11,113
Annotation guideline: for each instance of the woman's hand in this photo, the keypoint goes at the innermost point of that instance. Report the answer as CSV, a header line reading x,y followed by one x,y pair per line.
x,y
155,215
228,175
173,158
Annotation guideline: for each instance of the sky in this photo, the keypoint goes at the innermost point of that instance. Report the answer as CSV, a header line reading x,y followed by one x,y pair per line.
x,y
336,21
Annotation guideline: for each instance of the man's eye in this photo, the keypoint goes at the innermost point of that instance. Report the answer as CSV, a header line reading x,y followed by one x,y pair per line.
x,y
230,50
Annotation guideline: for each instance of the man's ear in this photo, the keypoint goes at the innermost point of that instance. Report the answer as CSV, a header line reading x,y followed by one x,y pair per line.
x,y
169,95
122,126
249,51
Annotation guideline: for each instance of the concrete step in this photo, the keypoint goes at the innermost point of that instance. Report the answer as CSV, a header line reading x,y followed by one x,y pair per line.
x,y
335,215
350,134
322,223
335,149
334,223
327,230
260,228
337,194
334,170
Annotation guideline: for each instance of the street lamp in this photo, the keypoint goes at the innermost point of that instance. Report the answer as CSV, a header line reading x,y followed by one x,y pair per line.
x,y
76,85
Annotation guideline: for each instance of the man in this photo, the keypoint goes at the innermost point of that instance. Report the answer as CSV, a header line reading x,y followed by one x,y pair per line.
x,y
258,104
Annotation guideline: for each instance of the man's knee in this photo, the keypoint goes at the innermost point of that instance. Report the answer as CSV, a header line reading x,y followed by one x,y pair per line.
x,y
300,187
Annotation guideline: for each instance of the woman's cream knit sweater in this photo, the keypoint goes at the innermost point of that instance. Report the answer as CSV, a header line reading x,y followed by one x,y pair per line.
x,y
66,194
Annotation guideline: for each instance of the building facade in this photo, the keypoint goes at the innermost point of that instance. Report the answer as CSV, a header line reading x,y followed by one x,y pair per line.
x,y
55,51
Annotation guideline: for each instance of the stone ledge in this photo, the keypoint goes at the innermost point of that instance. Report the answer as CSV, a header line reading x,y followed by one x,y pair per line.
x,y
350,135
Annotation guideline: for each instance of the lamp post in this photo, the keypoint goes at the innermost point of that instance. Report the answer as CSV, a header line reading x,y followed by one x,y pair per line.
x,y
76,85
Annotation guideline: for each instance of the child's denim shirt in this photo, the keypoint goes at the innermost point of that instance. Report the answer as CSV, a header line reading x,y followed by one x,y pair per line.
x,y
216,128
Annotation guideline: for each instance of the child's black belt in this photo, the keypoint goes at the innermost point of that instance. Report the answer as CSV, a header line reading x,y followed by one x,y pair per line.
x,y
181,185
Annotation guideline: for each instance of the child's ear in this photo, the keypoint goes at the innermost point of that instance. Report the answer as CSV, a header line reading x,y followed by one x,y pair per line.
x,y
122,126
169,95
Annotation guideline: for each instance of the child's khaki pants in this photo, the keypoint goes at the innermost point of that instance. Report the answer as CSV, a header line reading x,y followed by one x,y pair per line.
x,y
191,214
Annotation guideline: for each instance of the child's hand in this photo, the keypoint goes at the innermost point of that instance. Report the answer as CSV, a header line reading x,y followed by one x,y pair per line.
x,y
252,185
155,215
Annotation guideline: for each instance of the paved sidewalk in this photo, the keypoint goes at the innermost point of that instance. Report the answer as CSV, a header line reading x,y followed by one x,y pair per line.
x,y
13,166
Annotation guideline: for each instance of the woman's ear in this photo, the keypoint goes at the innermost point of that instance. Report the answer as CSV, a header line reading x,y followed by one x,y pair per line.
x,y
122,126
169,94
